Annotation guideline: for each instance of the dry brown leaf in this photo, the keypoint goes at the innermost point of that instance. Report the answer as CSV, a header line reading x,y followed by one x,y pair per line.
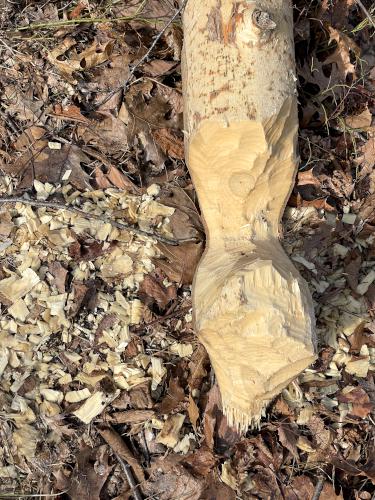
x,y
70,112
114,178
120,448
336,13
361,405
142,112
31,138
174,397
131,416
105,131
288,436
140,396
361,121
329,493
158,10
193,412
85,482
321,434
159,67
367,153
197,366
180,261
151,289
25,108
341,56
170,143
94,55
307,178
361,337
211,414
59,274
217,490
170,480
301,488
78,9
51,165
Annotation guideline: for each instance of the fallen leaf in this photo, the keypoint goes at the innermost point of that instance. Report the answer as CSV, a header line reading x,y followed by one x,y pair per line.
x,y
361,337
366,156
131,416
106,132
175,396
361,405
361,121
86,483
94,55
307,177
215,425
300,488
321,434
170,143
53,166
341,56
193,412
201,461
71,112
26,109
59,274
170,480
180,261
157,10
114,178
119,447
159,67
151,288
78,9
197,366
288,436
140,396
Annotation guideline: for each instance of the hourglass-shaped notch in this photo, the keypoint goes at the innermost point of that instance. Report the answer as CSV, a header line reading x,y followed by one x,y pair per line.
x,y
252,309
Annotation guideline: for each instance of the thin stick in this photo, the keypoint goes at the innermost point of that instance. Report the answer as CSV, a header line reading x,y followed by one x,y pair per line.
x,y
318,489
130,479
120,225
82,20
366,12
31,495
143,59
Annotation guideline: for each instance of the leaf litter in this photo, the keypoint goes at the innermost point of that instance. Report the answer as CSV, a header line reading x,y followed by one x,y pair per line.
x,y
103,385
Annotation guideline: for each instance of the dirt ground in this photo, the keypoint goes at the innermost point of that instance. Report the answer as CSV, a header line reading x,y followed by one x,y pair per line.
x,y
103,384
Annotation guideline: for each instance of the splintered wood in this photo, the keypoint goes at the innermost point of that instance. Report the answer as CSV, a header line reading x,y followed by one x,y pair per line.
x,y
253,311
69,289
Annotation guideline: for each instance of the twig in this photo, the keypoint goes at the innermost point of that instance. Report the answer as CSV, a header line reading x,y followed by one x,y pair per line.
x,y
81,20
143,59
366,12
126,459
318,489
31,495
130,479
119,225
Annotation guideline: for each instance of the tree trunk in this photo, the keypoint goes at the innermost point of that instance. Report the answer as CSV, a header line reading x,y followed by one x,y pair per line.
x,y
253,311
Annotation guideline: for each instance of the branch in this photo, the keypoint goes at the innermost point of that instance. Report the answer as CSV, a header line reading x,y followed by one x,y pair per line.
x,y
366,12
120,225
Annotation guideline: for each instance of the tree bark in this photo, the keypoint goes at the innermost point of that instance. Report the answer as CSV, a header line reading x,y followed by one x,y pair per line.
x,y
253,311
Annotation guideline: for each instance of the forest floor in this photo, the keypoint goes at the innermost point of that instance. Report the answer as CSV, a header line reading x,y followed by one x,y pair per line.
x,y
103,384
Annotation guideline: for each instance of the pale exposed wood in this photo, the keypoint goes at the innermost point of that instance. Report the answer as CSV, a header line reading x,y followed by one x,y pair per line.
x,y
253,311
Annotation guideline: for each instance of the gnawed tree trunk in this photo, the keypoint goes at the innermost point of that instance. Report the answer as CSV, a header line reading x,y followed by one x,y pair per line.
x,y
253,311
